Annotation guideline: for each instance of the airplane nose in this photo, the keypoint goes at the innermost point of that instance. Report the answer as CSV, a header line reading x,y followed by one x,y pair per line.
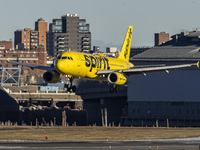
x,y
59,66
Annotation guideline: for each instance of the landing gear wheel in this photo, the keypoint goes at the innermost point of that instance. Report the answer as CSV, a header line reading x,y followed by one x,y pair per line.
x,y
112,89
117,89
70,87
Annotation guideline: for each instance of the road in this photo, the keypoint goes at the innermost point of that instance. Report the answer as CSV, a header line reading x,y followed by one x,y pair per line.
x,y
175,144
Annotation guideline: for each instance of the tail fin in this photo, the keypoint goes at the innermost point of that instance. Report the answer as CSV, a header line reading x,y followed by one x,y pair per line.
x,y
126,48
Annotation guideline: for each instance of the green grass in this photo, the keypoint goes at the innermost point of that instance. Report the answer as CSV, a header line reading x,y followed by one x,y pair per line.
x,y
94,133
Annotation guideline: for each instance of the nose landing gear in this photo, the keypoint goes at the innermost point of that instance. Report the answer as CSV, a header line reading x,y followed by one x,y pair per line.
x,y
70,87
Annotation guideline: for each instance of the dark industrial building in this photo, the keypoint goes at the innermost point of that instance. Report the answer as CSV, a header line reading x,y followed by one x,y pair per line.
x,y
70,33
162,99
9,107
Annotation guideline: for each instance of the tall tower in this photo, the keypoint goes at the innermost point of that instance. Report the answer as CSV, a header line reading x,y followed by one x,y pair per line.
x,y
22,39
41,27
68,34
29,39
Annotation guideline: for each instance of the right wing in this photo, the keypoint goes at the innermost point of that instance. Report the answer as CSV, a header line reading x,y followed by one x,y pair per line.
x,y
32,66
144,70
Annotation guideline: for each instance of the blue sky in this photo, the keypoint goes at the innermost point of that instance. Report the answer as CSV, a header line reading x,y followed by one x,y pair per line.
x,y
108,19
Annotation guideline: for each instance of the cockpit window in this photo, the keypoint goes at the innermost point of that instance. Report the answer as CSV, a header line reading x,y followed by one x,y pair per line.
x,y
65,57
59,57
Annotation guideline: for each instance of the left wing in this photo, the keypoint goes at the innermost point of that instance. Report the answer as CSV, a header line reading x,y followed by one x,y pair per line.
x,y
144,70
32,66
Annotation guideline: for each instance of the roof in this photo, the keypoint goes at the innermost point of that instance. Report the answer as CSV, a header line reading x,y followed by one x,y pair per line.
x,y
173,50
194,34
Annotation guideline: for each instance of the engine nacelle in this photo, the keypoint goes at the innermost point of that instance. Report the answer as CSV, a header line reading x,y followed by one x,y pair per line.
x,y
51,77
116,78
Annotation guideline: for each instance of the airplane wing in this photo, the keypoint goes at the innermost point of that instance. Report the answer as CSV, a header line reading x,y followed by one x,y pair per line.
x,y
144,70
32,66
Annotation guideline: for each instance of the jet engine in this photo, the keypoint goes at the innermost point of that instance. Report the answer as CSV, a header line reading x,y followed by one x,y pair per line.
x,y
116,78
51,77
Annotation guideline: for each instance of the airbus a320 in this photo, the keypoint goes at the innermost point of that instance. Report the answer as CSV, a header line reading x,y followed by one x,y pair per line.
x,y
99,67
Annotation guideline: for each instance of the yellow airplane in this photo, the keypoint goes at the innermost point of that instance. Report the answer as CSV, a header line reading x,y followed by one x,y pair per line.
x,y
99,67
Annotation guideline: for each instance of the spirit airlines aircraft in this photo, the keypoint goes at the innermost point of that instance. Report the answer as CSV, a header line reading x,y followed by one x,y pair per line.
x,y
99,67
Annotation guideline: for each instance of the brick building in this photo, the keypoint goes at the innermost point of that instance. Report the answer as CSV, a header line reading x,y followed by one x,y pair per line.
x,y
6,44
41,27
28,39
161,38
36,57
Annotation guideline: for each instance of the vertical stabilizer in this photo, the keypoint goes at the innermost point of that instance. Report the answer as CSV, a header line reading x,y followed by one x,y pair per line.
x,y
126,47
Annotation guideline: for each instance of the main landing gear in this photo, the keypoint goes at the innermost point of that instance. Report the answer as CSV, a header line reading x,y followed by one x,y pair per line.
x,y
70,87
114,88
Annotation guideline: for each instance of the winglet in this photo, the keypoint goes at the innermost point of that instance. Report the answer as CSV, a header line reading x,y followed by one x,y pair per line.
x,y
8,59
198,64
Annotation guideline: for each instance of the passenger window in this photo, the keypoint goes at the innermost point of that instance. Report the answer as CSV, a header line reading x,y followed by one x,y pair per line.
x,y
59,57
71,58
64,57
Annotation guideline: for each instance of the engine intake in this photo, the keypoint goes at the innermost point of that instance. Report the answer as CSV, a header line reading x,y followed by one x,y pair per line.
x,y
116,78
51,77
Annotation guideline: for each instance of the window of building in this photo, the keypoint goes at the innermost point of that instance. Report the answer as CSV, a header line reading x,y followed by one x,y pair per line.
x,y
24,40
34,61
0,61
14,55
28,55
27,61
21,55
34,55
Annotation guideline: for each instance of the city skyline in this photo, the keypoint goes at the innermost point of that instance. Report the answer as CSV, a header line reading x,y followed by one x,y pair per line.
x,y
108,20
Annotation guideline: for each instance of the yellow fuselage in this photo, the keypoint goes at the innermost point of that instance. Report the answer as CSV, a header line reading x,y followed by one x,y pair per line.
x,y
86,65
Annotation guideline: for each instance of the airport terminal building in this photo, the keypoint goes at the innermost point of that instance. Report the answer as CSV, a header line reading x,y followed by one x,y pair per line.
x,y
162,98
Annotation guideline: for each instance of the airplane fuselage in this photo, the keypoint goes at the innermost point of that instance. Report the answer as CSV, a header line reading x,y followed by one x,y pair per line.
x,y
86,65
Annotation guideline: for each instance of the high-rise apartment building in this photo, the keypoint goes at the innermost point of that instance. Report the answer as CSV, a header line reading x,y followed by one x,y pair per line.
x,y
41,27
70,33
29,39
